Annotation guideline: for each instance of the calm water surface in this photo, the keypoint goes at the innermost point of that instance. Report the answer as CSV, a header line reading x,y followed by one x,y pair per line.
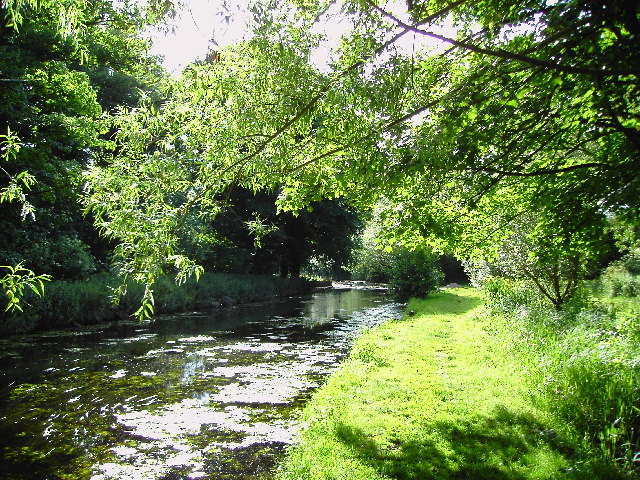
x,y
194,396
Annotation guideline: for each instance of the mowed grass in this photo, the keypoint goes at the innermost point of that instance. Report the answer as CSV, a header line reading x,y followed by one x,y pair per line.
x,y
431,396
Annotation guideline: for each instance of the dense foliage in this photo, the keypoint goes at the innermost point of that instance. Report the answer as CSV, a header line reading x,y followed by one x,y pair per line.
x,y
65,69
71,76
248,235
58,91
583,361
409,273
532,107
506,133
521,124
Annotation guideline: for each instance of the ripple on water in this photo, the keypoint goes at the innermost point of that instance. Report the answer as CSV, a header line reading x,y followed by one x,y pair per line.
x,y
200,403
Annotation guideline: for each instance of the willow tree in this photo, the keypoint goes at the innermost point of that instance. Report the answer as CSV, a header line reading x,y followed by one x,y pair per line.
x,y
528,106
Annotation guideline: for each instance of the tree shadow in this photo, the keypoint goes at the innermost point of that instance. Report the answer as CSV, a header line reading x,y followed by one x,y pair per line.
x,y
502,446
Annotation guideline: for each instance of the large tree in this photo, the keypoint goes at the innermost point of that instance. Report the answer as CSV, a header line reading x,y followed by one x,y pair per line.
x,y
248,235
528,106
65,67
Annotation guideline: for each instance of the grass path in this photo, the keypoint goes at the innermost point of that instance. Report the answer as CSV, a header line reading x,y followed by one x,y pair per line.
x,y
432,396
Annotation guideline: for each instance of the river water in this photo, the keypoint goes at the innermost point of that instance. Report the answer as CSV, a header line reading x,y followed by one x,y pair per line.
x,y
194,396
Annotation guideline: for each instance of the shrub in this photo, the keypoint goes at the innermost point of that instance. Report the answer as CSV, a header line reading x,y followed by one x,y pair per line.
x,y
584,361
617,281
66,257
631,261
87,302
414,273
372,264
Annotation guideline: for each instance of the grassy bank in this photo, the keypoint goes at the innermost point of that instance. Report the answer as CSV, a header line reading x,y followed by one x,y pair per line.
x,y
437,396
88,302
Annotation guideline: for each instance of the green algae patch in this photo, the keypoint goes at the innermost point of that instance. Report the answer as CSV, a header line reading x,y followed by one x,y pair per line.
x,y
432,396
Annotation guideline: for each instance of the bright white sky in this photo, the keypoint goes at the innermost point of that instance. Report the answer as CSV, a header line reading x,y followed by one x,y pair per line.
x,y
200,27
205,24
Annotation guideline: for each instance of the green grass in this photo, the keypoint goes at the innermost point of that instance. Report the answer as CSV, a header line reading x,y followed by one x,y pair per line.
x,y
434,396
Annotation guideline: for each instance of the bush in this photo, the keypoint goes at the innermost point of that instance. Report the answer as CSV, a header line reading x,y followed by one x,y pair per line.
x,y
584,361
617,281
414,273
371,264
66,257
87,302
631,261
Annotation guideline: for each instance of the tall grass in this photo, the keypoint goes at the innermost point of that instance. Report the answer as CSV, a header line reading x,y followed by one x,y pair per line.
x,y
584,361
88,302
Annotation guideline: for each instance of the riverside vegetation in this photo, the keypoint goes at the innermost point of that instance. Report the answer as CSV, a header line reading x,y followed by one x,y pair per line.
x,y
87,302
108,164
507,388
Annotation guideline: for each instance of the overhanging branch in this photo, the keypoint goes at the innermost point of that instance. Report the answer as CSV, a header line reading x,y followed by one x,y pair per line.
x,y
500,53
551,171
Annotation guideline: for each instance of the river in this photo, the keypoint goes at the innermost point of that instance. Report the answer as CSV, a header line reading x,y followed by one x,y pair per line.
x,y
193,396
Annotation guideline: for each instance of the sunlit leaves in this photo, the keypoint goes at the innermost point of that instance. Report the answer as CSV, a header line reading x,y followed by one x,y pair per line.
x,y
526,113
18,184
14,282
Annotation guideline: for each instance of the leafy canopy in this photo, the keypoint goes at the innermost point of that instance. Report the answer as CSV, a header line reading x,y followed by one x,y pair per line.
x,y
530,107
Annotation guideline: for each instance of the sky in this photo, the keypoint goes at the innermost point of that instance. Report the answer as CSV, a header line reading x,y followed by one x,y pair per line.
x,y
203,25
206,24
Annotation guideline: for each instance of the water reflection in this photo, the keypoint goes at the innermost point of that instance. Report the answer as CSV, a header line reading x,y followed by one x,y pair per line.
x,y
185,397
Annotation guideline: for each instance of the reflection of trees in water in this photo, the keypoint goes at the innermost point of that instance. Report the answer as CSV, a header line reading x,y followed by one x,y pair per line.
x,y
195,364
329,305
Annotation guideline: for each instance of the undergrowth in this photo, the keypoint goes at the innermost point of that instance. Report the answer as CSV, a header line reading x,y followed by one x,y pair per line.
x,y
584,361
87,302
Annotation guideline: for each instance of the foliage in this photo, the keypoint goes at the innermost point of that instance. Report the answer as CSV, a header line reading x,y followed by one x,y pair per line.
x,y
371,261
616,281
162,172
249,235
526,107
65,67
86,302
414,273
622,276
15,190
584,360
14,282
409,273
17,277
554,265
553,130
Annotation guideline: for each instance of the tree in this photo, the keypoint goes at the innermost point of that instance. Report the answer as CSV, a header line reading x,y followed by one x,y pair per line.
x,y
249,235
532,107
64,67
554,269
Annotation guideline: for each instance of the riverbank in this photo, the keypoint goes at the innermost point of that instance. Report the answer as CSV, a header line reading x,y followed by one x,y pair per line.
x,y
88,302
436,396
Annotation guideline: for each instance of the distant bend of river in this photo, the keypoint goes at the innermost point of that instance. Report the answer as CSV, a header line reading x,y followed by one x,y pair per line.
x,y
185,397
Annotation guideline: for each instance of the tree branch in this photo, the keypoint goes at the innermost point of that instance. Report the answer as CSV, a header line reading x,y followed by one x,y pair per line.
x,y
551,171
500,53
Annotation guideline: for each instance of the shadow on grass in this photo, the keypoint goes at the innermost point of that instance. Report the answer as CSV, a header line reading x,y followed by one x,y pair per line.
x,y
503,446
